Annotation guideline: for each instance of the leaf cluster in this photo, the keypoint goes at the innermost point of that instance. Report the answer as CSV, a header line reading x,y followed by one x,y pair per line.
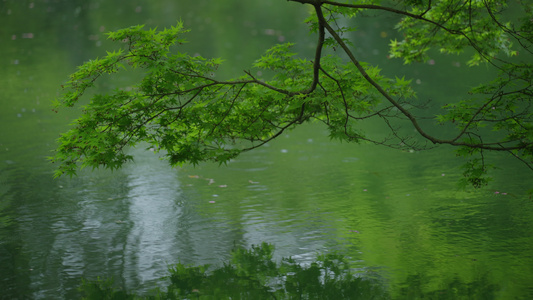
x,y
183,112
451,26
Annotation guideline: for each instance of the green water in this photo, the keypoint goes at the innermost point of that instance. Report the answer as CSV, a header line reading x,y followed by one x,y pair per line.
x,y
398,216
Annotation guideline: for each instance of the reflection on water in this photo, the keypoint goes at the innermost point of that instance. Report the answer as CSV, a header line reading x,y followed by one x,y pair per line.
x,y
393,214
153,219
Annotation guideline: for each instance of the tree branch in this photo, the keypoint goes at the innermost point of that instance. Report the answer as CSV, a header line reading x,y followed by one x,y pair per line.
x,y
411,117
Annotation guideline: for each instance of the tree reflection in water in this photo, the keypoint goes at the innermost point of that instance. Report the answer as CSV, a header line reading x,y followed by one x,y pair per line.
x,y
253,274
480,288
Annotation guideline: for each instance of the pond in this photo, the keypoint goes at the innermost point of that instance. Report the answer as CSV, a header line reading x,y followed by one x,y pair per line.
x,y
398,216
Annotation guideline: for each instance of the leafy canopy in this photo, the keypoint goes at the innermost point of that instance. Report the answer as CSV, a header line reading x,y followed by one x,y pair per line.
x,y
181,110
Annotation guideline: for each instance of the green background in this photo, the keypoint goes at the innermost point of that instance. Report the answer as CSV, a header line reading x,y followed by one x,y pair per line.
x,y
398,216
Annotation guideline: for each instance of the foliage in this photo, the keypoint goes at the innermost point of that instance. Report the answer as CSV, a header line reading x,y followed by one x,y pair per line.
x,y
452,289
103,289
252,274
181,110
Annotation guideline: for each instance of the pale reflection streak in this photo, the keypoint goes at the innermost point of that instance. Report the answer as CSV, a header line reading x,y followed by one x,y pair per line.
x,y
154,214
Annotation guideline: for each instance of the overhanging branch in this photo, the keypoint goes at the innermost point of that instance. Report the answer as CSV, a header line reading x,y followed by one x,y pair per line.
x,y
497,146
